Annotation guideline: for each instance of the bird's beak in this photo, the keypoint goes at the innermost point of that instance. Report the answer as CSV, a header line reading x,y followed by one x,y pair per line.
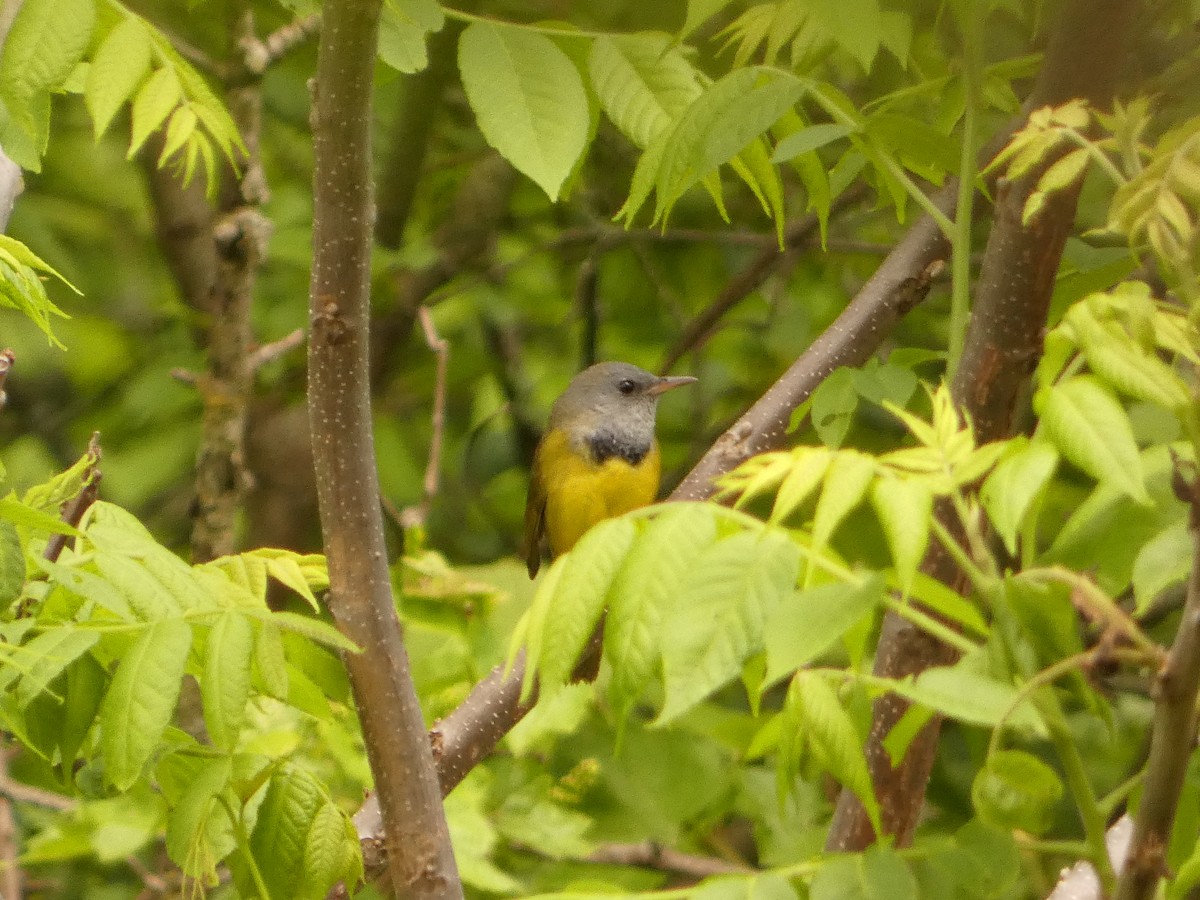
x,y
669,383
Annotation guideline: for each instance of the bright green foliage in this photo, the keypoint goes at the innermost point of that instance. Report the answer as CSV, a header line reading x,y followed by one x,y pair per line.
x,y
95,670
736,680
528,98
1016,790
21,285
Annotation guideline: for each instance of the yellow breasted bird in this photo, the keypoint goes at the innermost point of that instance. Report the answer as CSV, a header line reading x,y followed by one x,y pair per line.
x,y
598,457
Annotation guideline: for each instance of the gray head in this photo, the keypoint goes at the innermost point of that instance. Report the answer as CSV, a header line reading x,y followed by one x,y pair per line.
x,y
608,409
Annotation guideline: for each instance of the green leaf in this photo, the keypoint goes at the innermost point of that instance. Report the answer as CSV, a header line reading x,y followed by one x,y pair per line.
x,y
141,699
225,689
905,510
90,586
824,732
528,99
13,510
1018,480
1016,790
45,657
83,693
280,834
808,139
727,598
753,166
270,663
579,599
180,129
808,467
962,693
645,591
1164,560
855,25
805,625
643,83
330,851
833,405
1091,429
886,875
1064,171
699,12
118,67
137,589
846,483
160,94
12,565
47,40
313,629
199,833
767,886
403,27
719,124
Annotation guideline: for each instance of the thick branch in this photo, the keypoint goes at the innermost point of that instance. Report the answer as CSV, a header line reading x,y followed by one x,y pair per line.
x,y
1172,735
901,282
420,859
492,708
1002,346
239,237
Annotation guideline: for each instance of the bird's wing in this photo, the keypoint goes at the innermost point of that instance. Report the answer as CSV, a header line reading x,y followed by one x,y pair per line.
x,y
535,516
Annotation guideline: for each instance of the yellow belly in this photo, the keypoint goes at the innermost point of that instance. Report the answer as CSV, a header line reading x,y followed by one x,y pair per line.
x,y
580,493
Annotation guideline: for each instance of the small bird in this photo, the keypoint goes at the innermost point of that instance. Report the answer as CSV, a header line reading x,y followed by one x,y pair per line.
x,y
598,457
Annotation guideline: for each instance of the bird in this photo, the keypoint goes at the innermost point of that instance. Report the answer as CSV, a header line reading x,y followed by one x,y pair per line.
x,y
598,457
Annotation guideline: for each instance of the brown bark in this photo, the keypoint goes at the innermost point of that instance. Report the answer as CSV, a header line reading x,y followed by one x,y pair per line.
x,y
1002,347
1172,733
420,858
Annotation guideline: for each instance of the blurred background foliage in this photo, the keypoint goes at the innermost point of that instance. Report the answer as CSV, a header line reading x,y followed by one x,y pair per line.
x,y
508,277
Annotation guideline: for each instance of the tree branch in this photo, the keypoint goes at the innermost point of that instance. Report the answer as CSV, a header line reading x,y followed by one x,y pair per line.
x,y
899,284
1003,344
73,510
420,859
7,359
417,514
1173,731
239,236
652,855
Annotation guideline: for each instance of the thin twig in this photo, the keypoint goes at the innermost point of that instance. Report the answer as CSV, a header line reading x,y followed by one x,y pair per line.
x,y
11,876
272,351
745,282
73,510
259,55
7,358
34,796
1173,732
652,855
416,514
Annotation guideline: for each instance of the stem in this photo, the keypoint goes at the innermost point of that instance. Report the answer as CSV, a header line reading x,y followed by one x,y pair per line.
x,y
1099,156
1041,679
979,580
420,858
926,622
1172,736
888,162
243,842
1077,782
960,264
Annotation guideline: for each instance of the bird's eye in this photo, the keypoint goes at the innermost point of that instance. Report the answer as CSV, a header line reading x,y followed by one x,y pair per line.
x,y
626,386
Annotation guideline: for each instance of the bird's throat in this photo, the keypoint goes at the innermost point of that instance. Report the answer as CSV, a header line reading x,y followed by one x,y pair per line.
x,y
606,445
